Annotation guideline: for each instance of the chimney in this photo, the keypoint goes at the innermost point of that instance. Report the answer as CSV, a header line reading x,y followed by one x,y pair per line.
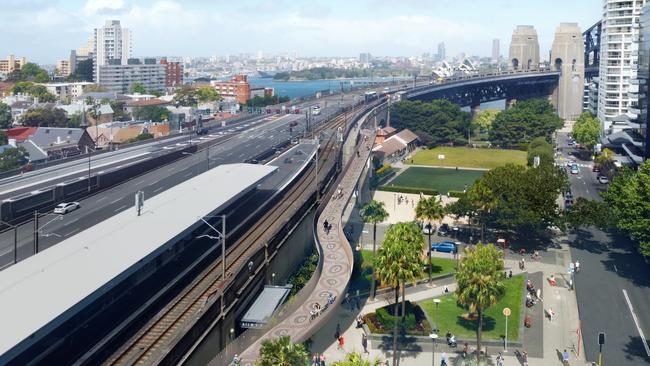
x,y
58,140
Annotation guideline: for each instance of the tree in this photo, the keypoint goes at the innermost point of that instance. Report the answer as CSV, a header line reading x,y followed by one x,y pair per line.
x,y
586,130
541,148
138,88
399,260
45,117
429,209
118,110
437,122
4,139
282,352
13,158
356,359
75,120
480,283
141,137
375,213
525,121
628,198
186,96
6,119
207,94
151,113
83,71
36,91
29,72
586,212
485,118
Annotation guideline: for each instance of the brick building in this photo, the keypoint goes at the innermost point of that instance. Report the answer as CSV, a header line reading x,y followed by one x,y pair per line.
x,y
237,88
173,73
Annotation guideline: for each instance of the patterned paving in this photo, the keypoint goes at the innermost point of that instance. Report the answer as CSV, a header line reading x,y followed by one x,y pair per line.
x,y
338,261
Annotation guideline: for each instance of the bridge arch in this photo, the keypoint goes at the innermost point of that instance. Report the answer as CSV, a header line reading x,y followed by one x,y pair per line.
x,y
515,64
558,64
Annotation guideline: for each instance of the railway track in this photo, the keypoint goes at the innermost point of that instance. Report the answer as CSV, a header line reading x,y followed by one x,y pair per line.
x,y
144,347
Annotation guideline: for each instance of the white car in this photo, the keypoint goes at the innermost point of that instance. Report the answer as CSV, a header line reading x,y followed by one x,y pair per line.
x,y
602,179
575,169
64,208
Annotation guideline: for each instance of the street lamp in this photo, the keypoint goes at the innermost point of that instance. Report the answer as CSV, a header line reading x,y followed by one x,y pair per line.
x,y
437,302
433,337
273,279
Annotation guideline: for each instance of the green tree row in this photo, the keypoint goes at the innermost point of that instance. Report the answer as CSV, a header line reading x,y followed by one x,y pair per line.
x,y
29,72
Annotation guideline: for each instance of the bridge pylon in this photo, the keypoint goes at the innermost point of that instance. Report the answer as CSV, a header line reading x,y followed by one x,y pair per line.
x,y
567,56
524,49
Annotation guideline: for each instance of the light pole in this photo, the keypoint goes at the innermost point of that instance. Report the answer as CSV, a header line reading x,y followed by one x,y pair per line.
x,y
428,228
222,237
437,302
273,279
433,337
231,334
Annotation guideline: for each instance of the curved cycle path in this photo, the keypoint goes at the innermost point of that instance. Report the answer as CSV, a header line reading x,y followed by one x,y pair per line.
x,y
337,258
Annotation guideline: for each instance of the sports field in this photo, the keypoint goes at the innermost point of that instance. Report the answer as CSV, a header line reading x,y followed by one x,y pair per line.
x,y
441,179
466,157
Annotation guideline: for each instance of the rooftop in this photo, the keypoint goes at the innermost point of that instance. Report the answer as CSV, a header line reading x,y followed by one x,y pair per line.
x,y
47,286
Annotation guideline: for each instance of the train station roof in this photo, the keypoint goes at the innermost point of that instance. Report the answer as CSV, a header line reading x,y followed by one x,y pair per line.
x,y
53,284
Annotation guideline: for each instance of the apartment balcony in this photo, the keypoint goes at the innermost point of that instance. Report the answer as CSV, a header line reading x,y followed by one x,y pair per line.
x,y
637,82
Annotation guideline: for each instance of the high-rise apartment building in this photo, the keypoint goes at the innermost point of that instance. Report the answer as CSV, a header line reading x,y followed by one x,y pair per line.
x,y
119,78
111,42
496,52
63,67
12,63
173,73
618,61
365,58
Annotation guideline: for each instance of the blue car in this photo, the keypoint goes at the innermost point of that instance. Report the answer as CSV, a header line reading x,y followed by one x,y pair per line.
x,y
445,246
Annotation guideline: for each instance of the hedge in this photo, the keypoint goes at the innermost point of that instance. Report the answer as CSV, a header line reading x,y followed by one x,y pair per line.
x,y
399,189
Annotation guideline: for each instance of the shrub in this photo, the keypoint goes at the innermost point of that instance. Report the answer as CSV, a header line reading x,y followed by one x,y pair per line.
x,y
384,169
397,189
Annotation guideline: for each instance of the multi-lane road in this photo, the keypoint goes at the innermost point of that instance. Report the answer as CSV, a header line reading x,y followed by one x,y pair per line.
x,y
613,284
230,144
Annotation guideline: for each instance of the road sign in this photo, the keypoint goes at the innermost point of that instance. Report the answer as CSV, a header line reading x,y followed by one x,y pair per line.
x,y
506,311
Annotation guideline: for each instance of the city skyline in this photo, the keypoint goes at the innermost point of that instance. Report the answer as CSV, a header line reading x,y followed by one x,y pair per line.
x,y
314,28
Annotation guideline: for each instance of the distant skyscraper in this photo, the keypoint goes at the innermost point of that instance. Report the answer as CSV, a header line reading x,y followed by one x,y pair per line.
x,y
365,58
441,51
495,51
111,42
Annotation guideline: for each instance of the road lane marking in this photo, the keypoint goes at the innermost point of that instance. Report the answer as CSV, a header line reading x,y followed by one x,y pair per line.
x,y
187,175
101,199
117,200
140,182
157,190
636,322
71,232
66,223
171,169
120,208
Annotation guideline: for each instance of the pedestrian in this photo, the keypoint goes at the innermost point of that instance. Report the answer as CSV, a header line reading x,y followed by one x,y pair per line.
x,y
510,274
465,350
446,289
524,358
235,360
322,359
315,361
364,343
500,359
341,342
443,359
337,334
565,357
577,266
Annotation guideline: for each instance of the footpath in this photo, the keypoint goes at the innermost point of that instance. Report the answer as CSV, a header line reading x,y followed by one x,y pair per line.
x,y
544,348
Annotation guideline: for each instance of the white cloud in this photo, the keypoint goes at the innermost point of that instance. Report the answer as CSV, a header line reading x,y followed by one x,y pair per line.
x,y
93,7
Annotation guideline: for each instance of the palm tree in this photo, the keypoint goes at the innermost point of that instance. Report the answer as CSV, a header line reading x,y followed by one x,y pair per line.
x,y
429,209
281,352
374,212
400,260
356,359
481,198
480,283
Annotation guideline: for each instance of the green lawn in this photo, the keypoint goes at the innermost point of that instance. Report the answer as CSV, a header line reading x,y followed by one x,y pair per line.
x,y
362,274
440,179
450,314
468,157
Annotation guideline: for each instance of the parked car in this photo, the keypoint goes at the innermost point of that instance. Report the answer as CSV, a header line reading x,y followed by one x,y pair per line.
x,y
602,179
575,169
444,247
443,230
64,208
202,131
596,168
568,196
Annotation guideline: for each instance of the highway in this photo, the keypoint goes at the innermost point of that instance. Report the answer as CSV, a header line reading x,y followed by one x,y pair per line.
x,y
612,286
260,134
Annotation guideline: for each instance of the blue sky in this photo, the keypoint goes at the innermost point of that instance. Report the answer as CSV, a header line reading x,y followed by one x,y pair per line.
x,y
46,30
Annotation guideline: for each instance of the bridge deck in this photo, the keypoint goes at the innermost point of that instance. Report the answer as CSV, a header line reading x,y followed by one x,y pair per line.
x,y
337,262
